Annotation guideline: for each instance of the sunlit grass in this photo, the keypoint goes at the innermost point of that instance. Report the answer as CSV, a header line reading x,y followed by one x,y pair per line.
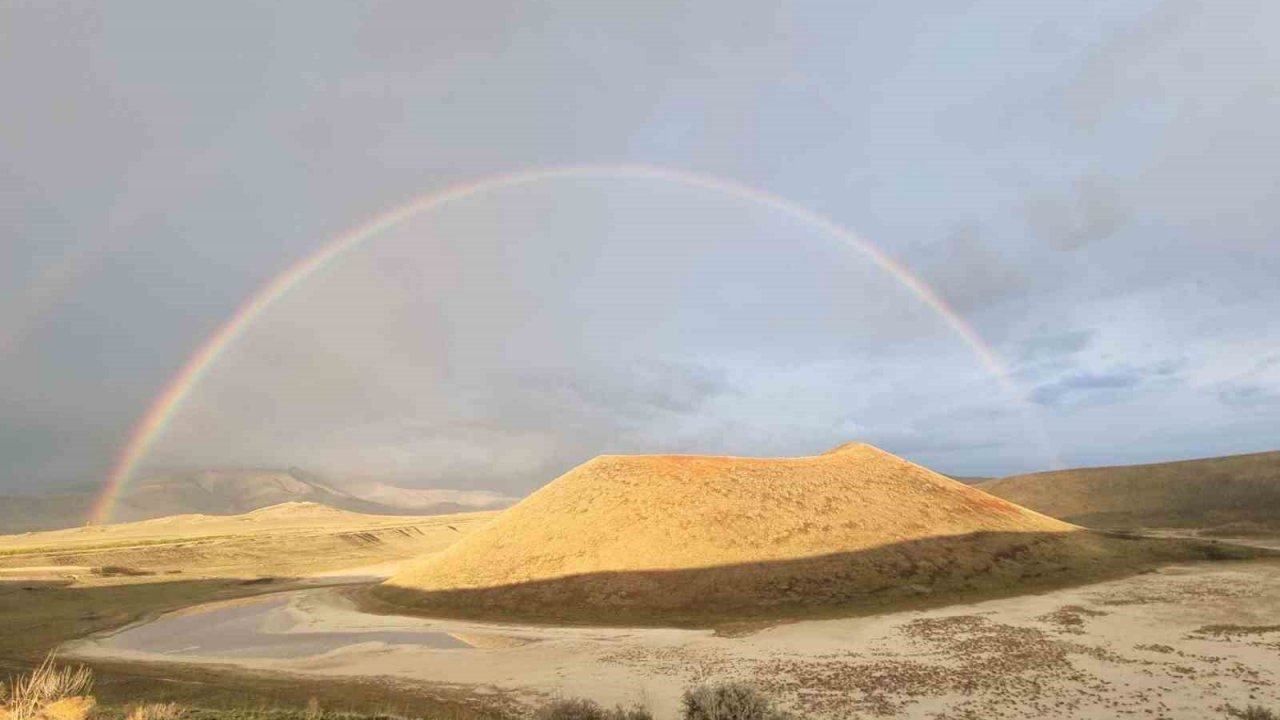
x,y
27,696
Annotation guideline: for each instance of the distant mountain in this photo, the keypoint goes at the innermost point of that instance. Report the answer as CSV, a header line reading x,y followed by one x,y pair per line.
x,y
970,479
232,492
28,513
1239,490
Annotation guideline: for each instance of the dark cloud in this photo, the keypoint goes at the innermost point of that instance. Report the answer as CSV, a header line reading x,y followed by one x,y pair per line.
x,y
1092,210
1122,60
969,272
1057,347
1255,389
1085,384
1249,396
637,394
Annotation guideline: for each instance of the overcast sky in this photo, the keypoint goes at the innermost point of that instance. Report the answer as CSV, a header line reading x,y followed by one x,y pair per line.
x,y
1094,186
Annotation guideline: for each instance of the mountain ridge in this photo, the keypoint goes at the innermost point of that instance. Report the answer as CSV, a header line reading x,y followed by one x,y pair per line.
x,y
234,492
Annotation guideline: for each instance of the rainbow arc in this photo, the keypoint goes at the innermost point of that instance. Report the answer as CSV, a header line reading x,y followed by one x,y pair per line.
x,y
162,409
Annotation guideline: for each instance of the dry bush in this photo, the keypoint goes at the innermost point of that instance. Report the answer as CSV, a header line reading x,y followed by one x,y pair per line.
x,y
731,701
26,696
155,711
583,709
1252,712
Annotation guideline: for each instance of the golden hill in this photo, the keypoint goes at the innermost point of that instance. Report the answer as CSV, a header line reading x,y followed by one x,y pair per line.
x,y
673,538
1241,490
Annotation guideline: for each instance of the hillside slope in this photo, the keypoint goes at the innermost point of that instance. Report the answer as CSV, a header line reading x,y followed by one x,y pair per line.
x,y
665,537
1236,490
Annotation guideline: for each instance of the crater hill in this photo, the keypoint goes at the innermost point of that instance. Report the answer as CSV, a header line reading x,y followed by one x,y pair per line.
x,y
700,540
1238,494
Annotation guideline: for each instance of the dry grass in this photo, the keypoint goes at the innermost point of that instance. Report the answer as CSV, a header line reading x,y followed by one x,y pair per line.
x,y
1240,491
27,697
53,691
583,709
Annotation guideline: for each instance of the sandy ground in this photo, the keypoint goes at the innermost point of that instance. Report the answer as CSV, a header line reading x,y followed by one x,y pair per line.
x,y
1178,643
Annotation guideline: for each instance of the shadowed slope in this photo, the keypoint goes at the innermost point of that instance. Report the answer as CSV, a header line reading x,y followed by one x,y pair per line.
x,y
649,535
1192,493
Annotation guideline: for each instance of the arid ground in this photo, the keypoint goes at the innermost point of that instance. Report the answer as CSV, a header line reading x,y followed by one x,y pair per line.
x,y
1177,643
58,586
286,603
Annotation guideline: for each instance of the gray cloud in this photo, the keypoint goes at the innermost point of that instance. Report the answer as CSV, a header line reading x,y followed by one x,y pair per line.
x,y
1089,186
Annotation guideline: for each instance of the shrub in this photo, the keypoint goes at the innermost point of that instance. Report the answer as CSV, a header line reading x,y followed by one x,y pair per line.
x,y
1252,712
583,709
731,701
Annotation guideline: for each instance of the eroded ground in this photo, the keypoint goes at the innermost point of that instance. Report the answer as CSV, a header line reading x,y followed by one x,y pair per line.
x,y
1178,643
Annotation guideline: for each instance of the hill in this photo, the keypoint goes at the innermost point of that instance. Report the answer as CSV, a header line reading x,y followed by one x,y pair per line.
x,y
230,492
28,513
682,538
1242,490
294,539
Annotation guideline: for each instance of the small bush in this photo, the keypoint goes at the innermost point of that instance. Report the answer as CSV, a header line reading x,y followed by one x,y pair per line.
x,y
1252,712
583,709
119,571
155,711
731,701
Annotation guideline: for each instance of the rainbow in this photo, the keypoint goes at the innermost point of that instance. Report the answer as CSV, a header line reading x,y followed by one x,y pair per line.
x,y
162,409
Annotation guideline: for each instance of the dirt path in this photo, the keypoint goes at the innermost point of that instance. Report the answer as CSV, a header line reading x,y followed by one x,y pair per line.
x,y
1174,644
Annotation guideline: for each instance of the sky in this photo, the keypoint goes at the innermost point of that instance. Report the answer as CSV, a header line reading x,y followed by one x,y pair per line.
x,y
1090,186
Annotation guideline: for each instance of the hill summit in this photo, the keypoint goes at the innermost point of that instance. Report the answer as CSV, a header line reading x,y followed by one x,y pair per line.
x,y
662,535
